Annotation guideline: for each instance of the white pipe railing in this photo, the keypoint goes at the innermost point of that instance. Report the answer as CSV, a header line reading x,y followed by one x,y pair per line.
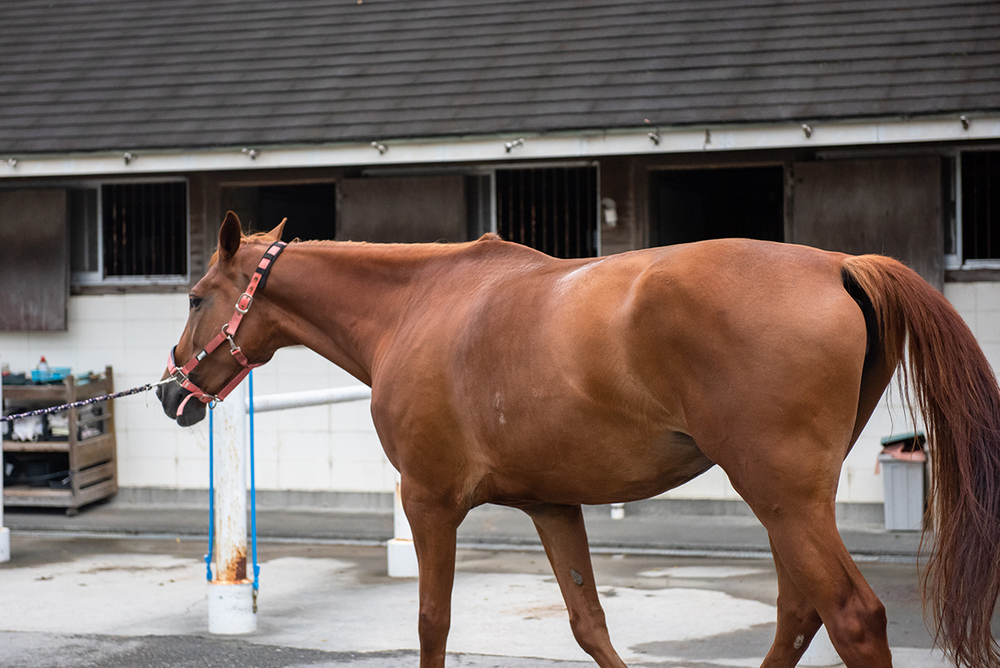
x,y
334,395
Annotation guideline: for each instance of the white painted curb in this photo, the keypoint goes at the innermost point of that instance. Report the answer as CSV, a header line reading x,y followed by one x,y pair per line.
x,y
402,558
821,651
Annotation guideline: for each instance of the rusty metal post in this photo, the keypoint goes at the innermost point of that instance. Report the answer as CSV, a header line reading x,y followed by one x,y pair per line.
x,y
4,531
231,605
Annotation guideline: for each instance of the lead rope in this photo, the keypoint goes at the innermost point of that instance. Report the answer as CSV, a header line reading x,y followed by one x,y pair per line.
x,y
253,504
211,489
86,402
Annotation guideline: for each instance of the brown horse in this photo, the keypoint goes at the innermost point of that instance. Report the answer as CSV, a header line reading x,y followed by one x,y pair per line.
x,y
501,375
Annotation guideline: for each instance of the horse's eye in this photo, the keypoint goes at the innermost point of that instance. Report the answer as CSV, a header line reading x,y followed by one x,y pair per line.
x,y
195,301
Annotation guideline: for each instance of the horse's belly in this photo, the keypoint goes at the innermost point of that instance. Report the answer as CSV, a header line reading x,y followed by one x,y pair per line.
x,y
599,473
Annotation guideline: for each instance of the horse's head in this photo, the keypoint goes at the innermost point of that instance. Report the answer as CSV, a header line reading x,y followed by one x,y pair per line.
x,y
223,337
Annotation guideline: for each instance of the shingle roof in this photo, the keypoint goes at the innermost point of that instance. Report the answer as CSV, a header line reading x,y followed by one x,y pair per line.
x,y
122,74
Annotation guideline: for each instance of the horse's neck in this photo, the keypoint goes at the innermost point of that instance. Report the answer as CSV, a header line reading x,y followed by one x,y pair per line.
x,y
342,300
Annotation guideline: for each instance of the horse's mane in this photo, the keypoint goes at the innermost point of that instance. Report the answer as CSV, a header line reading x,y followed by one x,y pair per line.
x,y
265,237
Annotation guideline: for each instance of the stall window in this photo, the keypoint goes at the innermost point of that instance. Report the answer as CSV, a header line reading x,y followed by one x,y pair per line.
x,y
552,209
697,204
980,206
131,233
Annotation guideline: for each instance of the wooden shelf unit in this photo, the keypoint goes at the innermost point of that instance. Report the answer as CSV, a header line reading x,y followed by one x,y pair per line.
x,y
92,462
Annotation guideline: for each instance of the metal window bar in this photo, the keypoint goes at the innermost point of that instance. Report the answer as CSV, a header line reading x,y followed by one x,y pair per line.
x,y
144,229
552,209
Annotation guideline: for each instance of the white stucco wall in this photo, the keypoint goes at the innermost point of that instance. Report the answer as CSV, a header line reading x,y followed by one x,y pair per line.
x,y
332,448
318,448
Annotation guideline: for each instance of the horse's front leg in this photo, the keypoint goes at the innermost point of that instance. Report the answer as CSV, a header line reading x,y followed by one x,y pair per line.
x,y
434,526
564,536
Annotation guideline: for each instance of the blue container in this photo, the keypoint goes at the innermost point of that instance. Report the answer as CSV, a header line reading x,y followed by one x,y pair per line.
x,y
53,375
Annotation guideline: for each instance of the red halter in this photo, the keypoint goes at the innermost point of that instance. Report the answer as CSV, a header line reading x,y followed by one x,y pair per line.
x,y
181,375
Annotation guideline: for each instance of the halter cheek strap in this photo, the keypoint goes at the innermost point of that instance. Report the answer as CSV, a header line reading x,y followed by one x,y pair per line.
x,y
182,374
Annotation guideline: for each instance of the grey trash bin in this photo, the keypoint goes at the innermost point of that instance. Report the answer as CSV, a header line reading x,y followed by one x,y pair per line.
x,y
903,462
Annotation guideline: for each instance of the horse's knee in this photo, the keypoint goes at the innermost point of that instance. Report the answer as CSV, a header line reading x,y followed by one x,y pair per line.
x,y
432,627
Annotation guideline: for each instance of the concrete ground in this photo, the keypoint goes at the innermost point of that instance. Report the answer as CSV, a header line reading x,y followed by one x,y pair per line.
x,y
124,586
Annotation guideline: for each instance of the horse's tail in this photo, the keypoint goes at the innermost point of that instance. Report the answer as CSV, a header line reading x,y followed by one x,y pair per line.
x,y
956,391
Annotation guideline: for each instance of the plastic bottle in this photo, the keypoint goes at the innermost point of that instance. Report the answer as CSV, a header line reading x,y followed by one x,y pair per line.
x,y
43,366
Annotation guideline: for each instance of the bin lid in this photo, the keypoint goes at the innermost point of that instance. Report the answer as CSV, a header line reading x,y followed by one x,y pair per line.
x,y
902,438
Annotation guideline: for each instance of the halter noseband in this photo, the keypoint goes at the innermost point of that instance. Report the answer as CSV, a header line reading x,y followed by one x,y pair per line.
x,y
182,374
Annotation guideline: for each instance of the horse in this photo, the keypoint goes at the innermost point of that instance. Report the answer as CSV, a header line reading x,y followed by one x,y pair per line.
x,y
502,375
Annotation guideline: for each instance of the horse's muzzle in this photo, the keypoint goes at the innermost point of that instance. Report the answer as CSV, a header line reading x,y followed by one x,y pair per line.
x,y
180,405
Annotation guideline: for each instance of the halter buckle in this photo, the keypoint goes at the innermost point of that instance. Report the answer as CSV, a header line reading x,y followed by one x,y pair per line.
x,y
248,299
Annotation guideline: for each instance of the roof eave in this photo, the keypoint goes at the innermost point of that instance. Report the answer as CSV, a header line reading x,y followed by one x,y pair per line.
x,y
571,145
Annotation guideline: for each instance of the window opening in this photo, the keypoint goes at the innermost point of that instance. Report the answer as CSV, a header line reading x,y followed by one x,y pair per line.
x,y
311,208
129,232
697,204
980,207
551,209
145,229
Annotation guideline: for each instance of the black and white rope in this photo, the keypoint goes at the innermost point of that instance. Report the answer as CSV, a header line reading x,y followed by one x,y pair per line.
x,y
86,402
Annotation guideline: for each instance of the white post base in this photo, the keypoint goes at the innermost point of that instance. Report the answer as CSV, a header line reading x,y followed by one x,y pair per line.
x,y
230,608
402,557
821,651
617,511
4,544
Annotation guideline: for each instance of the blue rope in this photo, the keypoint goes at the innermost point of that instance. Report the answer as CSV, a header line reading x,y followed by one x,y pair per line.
x,y
253,502
211,489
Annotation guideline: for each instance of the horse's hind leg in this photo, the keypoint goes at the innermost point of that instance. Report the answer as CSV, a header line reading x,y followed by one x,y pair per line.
x,y
798,621
792,489
564,536
819,566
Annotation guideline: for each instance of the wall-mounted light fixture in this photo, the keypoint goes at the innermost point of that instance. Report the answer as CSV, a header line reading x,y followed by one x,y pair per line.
x,y
128,158
654,137
807,129
252,153
609,212
965,121
511,145
381,148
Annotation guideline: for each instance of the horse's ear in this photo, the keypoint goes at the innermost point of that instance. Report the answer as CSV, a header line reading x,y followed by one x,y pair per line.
x,y
230,236
276,232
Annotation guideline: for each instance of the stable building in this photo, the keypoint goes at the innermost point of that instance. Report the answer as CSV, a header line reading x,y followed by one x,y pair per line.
x,y
128,129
